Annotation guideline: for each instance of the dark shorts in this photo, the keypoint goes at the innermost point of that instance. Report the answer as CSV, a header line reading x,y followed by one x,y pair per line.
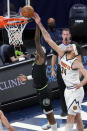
x,y
44,97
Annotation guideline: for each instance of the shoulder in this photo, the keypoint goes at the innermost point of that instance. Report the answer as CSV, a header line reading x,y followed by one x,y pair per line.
x,y
77,64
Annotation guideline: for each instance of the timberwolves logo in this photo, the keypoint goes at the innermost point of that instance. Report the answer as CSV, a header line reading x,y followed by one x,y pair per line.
x,y
46,102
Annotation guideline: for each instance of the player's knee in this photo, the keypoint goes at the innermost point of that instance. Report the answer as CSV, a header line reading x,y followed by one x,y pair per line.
x,y
46,105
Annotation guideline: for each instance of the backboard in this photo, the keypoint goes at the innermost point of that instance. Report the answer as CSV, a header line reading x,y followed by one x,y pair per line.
x,y
11,8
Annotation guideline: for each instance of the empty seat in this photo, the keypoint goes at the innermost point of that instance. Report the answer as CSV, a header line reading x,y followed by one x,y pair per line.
x,y
78,11
78,22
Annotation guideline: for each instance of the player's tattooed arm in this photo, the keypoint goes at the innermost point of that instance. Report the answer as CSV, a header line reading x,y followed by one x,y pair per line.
x,y
38,42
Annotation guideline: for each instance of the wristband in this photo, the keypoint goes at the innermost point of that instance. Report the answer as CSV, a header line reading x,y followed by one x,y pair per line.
x,y
29,77
21,58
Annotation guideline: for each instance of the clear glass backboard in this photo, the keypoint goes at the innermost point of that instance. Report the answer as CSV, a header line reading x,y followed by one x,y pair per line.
x,y
12,8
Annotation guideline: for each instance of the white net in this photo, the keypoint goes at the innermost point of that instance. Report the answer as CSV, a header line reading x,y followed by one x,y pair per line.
x,y
15,32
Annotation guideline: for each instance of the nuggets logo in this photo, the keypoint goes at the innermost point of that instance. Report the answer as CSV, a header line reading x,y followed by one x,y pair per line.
x,y
74,107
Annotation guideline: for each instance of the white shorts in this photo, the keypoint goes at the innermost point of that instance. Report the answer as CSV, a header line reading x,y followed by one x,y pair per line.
x,y
74,100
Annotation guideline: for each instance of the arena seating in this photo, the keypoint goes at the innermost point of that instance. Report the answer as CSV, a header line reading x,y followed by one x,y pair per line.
x,y
78,22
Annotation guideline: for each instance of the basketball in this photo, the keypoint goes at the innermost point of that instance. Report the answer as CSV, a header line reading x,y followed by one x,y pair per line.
x,y
27,11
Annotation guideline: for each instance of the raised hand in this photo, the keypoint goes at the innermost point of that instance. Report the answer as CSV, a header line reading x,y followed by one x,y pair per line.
x,y
36,18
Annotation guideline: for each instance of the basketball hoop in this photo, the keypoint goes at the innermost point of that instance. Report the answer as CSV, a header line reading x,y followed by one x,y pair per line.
x,y
1,21
15,27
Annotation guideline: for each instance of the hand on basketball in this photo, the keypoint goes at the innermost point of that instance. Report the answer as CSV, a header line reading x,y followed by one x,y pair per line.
x,y
36,18
22,77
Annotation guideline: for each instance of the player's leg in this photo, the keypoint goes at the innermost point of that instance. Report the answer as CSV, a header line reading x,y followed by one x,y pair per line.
x,y
70,122
45,102
69,98
5,122
52,122
50,117
78,119
61,87
73,100
79,122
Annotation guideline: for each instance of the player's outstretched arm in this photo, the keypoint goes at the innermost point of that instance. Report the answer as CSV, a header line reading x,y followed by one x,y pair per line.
x,y
38,42
80,67
46,35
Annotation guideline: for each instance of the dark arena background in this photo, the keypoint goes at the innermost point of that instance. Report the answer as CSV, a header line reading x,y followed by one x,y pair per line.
x,y
18,99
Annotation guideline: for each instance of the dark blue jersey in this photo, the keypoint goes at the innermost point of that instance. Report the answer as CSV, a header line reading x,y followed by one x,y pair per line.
x,y
39,75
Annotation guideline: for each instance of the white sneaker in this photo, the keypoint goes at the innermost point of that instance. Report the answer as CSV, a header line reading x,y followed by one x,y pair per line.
x,y
46,127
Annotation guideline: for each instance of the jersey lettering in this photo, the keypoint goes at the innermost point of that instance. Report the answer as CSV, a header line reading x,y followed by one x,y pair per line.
x,y
65,65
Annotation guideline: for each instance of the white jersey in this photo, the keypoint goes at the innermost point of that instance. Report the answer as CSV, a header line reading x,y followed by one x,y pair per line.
x,y
63,47
69,75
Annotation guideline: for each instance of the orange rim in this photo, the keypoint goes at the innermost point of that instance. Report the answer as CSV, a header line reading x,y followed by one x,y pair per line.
x,y
1,17
19,20
1,21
